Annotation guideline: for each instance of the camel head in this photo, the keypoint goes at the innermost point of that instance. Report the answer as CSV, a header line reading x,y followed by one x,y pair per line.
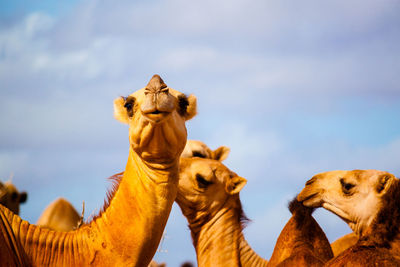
x,y
196,148
355,196
10,197
156,117
207,188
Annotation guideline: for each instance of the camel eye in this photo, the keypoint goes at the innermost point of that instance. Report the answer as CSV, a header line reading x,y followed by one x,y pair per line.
x,y
346,187
129,104
202,182
198,154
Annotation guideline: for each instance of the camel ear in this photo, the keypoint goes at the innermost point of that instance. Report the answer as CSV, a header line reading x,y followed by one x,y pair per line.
x,y
220,153
191,109
120,112
23,197
235,184
383,183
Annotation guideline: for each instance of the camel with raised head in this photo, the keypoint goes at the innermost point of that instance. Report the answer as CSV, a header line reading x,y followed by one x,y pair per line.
x,y
128,230
369,202
10,197
208,195
302,241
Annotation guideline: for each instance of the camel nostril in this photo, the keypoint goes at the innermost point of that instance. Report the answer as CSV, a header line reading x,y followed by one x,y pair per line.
x,y
164,90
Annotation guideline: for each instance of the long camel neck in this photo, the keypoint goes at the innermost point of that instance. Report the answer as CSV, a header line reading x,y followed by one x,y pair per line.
x,y
126,233
135,219
221,242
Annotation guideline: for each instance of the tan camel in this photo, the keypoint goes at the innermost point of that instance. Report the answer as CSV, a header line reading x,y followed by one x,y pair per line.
x,y
130,227
60,215
369,201
302,241
208,195
10,197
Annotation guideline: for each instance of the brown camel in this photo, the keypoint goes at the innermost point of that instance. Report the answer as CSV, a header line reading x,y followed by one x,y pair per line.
x,y
128,230
369,201
208,195
10,197
302,241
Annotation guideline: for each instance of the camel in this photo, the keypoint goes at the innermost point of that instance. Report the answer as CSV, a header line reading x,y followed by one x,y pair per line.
x,y
302,241
60,215
369,202
10,197
129,228
208,195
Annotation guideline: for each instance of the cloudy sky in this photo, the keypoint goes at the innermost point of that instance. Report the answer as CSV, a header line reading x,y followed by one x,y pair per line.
x,y
293,87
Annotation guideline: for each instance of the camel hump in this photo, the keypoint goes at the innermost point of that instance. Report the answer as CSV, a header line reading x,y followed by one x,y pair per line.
x,y
60,215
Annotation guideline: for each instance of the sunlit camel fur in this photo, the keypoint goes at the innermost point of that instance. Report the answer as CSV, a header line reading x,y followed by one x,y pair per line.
x,y
60,215
196,148
302,241
10,197
208,195
129,229
343,243
369,201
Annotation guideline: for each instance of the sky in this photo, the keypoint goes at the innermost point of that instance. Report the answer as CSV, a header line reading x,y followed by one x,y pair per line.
x,y
294,88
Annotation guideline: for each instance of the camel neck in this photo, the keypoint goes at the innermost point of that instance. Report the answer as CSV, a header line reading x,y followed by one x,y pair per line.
x,y
221,242
132,225
248,257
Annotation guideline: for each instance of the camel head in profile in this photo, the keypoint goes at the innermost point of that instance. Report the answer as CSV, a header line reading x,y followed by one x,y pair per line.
x,y
205,188
156,115
10,197
369,201
355,196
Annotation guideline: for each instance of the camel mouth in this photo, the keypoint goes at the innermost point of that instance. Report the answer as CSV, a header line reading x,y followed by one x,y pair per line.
x,y
156,115
310,200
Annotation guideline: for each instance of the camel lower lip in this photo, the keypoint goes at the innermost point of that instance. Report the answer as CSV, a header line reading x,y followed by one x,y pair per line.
x,y
308,197
156,116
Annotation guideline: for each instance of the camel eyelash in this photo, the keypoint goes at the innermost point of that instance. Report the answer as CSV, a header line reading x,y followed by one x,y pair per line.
x,y
202,182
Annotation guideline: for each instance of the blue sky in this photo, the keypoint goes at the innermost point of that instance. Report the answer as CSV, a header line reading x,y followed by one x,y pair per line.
x,y
294,88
